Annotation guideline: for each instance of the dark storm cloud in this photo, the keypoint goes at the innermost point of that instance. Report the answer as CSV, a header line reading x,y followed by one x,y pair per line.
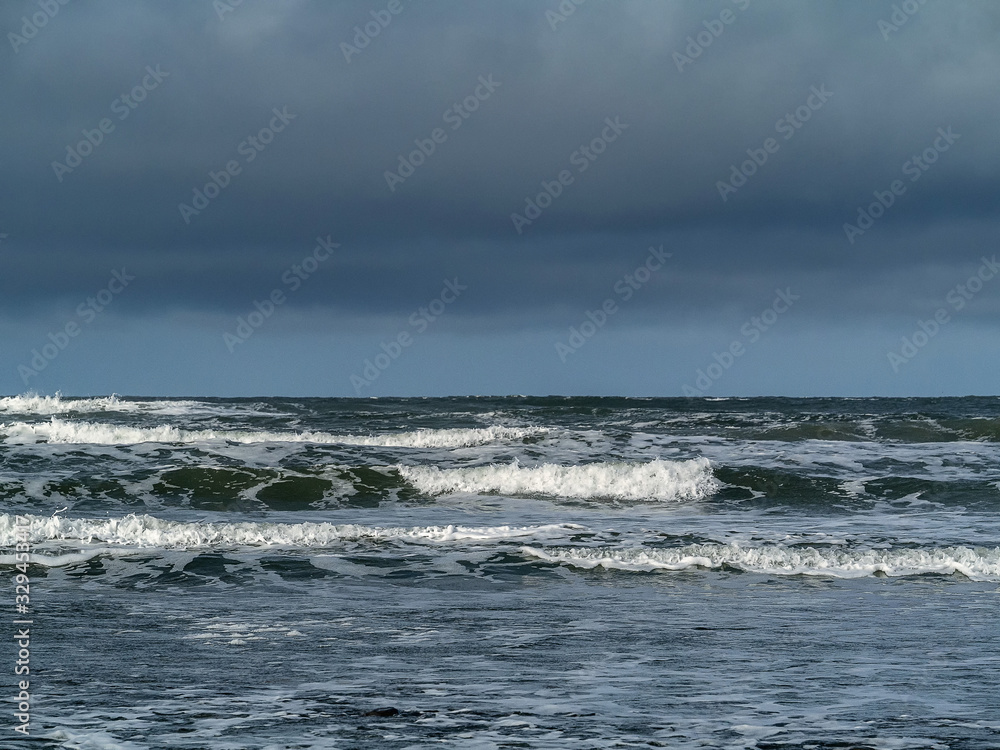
x,y
348,122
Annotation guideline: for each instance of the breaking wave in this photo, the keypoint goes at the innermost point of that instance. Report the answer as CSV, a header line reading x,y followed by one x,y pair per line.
x,y
30,403
102,433
144,531
654,480
34,404
977,563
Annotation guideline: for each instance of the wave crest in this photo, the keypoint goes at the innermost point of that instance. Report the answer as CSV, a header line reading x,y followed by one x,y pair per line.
x,y
655,480
32,403
979,563
145,531
63,431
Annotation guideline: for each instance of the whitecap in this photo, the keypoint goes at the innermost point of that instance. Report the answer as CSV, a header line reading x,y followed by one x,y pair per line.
x,y
977,563
654,480
145,531
64,431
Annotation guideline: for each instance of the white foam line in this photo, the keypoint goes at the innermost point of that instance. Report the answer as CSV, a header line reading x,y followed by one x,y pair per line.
x,y
144,531
101,433
32,403
979,563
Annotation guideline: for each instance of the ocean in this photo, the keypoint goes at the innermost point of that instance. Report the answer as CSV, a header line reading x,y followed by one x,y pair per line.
x,y
518,572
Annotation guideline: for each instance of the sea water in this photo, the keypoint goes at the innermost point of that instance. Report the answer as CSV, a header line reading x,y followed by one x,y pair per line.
x,y
505,572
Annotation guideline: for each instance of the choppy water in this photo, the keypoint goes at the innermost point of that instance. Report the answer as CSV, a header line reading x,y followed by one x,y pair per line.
x,y
508,572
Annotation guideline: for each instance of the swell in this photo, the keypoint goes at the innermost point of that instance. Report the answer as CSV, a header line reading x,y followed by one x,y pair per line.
x,y
762,486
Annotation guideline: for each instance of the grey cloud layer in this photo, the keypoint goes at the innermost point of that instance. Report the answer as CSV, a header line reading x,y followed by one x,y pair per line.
x,y
325,172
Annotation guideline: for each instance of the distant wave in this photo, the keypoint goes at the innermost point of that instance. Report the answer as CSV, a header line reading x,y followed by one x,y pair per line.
x,y
101,433
144,531
979,563
30,403
654,480
447,438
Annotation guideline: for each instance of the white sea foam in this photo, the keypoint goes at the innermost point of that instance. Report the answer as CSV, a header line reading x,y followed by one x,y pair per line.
x,y
655,480
31,403
58,430
978,563
56,561
144,531
447,438
89,739
841,459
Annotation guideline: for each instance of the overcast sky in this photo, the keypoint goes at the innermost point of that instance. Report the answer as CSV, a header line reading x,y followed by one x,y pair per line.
x,y
431,197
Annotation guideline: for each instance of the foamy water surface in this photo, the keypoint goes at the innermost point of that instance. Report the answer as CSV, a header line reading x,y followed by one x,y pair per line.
x,y
530,572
